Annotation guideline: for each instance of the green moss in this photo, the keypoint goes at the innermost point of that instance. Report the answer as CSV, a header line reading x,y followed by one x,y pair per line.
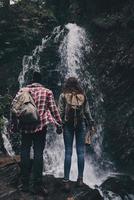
x,y
1,122
34,10
5,102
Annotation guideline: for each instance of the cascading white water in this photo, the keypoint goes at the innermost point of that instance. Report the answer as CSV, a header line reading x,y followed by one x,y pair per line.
x,y
32,61
71,51
5,135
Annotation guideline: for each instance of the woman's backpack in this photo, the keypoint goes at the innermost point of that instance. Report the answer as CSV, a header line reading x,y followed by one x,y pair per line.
x,y
24,108
74,107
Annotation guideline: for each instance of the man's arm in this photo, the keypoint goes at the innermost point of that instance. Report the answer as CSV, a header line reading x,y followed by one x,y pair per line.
x,y
88,115
53,108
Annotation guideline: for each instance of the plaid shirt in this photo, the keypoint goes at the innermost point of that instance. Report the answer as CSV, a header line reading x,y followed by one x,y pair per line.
x,y
46,106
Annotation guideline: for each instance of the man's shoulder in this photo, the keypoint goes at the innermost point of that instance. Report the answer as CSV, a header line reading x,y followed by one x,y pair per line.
x,y
48,91
38,86
45,90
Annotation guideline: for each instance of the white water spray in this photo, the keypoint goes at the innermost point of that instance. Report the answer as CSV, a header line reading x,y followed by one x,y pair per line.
x,y
72,50
32,62
5,135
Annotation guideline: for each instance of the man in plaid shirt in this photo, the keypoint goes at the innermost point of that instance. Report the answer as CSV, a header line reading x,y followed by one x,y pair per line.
x,y
36,134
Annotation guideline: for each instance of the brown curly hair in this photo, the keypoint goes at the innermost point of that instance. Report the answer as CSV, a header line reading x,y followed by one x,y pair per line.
x,y
72,85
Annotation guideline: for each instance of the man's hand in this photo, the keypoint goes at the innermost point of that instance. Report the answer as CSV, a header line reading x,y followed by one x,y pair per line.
x,y
59,130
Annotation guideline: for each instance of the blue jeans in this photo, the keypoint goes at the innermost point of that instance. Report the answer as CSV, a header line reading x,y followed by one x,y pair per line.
x,y
79,133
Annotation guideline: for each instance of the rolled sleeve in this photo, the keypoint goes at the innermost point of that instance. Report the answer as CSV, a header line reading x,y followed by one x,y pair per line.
x,y
53,108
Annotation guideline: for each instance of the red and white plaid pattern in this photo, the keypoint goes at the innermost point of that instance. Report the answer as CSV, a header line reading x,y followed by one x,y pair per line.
x,y
46,106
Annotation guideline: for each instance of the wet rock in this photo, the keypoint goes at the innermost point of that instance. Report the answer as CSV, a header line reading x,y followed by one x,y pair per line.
x,y
113,66
7,160
119,186
108,21
10,188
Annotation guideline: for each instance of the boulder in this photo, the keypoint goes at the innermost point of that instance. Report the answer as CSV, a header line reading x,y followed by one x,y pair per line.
x,y
10,187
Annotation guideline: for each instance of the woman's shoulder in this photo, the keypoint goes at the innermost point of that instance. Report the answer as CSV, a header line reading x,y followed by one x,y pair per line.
x,y
62,95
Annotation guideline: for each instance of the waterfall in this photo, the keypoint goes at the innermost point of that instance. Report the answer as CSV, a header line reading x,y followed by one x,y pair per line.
x,y
32,62
72,50
73,47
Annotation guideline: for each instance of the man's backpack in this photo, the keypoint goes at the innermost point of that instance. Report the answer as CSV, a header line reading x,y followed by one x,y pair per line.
x,y
24,108
74,107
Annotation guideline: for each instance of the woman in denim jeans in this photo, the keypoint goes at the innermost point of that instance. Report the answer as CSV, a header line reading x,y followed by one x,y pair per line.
x,y
74,125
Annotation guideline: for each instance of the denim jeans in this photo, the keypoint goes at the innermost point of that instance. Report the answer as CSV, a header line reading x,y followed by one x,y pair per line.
x,y
79,133
38,142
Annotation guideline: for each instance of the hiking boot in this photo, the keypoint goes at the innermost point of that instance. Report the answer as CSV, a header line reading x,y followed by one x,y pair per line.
x,y
66,185
80,182
40,190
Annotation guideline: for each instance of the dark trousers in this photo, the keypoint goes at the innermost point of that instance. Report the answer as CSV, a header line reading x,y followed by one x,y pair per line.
x,y
37,140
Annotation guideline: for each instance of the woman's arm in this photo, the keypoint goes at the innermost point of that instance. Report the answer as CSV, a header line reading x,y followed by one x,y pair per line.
x,y
87,113
61,106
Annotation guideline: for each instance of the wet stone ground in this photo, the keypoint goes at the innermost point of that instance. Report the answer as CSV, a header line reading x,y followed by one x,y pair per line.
x,y
10,187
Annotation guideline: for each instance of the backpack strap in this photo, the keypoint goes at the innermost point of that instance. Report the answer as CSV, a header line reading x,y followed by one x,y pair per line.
x,y
75,114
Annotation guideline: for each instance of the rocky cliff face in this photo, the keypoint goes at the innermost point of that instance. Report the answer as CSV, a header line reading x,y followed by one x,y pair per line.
x,y
22,28
113,52
113,58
